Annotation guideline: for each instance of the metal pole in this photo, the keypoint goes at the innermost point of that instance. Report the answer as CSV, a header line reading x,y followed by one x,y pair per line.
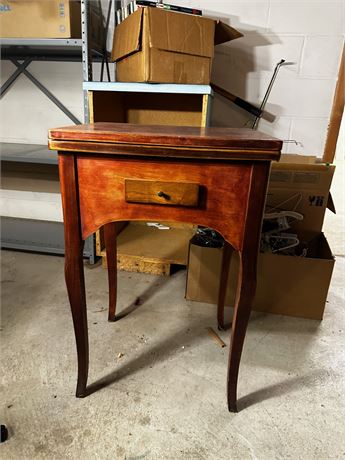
x,y
269,89
87,65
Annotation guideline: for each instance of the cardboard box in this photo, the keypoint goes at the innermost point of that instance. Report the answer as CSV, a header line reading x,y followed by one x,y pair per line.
x,y
287,285
40,19
298,183
155,45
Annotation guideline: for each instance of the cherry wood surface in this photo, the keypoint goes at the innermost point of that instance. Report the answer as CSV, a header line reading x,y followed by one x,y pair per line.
x,y
163,152
231,200
102,199
250,143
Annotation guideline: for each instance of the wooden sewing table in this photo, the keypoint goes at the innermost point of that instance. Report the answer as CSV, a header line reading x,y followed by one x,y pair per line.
x,y
214,177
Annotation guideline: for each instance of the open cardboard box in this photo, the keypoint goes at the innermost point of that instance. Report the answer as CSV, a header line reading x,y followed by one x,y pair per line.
x,y
286,285
300,183
159,46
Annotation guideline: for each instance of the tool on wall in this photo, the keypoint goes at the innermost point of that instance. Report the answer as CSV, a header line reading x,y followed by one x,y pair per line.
x,y
269,89
237,100
245,105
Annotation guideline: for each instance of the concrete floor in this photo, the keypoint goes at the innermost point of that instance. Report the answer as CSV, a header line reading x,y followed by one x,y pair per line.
x,y
165,397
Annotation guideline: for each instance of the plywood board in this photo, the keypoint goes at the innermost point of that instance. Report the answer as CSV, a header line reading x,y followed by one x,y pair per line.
x,y
150,250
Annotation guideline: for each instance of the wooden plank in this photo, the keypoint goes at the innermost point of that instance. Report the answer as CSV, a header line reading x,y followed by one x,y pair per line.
x,y
139,265
100,246
205,109
336,114
99,242
150,250
91,106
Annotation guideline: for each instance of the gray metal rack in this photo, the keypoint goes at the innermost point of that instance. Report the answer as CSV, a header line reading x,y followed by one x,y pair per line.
x,y
33,235
29,234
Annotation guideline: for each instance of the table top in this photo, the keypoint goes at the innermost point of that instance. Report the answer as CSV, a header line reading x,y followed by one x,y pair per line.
x,y
171,141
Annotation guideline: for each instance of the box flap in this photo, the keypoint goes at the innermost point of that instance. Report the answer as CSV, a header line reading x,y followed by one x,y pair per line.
x,y
296,159
181,33
127,36
330,204
224,33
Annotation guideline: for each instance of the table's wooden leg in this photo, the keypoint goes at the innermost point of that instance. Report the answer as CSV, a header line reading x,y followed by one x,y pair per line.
x,y
246,285
244,298
223,283
74,268
110,248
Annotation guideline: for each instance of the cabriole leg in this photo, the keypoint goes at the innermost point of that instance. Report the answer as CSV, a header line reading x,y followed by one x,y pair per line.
x,y
223,283
244,298
110,248
74,268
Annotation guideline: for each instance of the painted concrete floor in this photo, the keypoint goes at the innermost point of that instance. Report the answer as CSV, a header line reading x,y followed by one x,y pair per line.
x,y
165,397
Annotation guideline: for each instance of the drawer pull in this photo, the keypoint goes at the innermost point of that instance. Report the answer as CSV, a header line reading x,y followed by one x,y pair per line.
x,y
164,193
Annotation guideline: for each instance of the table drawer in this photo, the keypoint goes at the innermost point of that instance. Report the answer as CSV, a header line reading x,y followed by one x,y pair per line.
x,y
159,192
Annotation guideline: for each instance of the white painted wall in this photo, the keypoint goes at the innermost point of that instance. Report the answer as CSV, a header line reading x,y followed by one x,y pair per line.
x,y
309,33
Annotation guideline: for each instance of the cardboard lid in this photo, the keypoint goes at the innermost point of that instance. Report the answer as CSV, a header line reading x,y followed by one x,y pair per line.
x,y
171,31
225,33
181,33
127,36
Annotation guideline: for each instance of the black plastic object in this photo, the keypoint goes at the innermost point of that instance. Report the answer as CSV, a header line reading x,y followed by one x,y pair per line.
x,y
207,237
4,433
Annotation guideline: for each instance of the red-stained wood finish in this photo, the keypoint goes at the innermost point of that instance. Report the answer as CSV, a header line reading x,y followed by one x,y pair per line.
x,y
74,269
102,200
228,167
174,136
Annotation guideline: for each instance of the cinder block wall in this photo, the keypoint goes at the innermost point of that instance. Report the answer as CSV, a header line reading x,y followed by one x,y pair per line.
x,y
308,33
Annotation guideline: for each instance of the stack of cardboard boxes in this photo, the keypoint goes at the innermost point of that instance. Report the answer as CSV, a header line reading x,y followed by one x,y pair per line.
x,y
287,285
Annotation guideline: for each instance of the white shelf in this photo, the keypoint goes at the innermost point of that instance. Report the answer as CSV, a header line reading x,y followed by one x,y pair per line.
x,y
147,87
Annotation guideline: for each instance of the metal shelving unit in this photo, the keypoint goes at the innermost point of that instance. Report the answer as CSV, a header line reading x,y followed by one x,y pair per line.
x,y
21,52
29,234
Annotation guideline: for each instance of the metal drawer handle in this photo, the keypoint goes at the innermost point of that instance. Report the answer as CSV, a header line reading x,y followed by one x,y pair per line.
x,y
163,195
